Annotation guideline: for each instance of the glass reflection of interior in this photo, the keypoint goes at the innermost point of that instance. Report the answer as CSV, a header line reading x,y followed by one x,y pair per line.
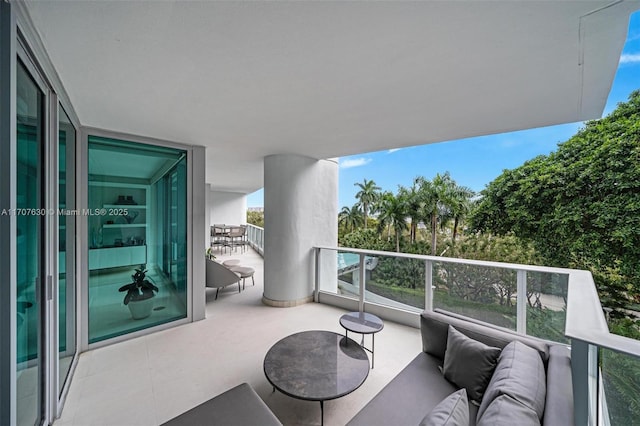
x,y
137,218
66,246
29,172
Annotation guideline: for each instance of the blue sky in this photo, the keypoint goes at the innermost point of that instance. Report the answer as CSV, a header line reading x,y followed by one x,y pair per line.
x,y
474,162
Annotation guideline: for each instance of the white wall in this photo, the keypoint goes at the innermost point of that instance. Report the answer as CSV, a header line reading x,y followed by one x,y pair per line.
x,y
228,208
198,222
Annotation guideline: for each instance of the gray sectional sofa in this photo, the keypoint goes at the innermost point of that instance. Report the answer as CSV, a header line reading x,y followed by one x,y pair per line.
x,y
467,374
529,382
240,406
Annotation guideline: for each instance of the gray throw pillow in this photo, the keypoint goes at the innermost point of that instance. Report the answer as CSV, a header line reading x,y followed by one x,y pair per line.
x,y
506,411
451,411
519,374
469,363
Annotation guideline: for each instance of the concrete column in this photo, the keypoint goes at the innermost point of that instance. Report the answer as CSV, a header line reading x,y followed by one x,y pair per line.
x,y
301,212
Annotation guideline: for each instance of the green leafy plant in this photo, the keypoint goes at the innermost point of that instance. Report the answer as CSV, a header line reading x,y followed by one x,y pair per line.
x,y
209,253
255,218
579,205
140,289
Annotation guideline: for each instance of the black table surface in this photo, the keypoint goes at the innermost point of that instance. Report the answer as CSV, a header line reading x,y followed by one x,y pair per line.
x,y
316,365
361,322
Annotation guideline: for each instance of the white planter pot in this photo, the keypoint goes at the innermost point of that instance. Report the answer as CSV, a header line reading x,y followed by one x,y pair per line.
x,y
141,308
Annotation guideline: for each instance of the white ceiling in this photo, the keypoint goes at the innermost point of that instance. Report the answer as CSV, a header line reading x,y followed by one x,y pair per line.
x,y
327,79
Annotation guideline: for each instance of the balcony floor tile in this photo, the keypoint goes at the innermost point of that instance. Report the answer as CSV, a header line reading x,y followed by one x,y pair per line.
x,y
151,379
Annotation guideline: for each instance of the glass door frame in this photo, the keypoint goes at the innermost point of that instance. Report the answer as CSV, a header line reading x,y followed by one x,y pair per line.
x,y
44,278
8,226
195,241
71,220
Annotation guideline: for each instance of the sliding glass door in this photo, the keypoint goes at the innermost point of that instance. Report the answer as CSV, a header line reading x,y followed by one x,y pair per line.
x,y
45,233
30,282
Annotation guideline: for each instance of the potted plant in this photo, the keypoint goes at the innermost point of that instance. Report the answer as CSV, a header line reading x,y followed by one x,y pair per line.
x,y
210,254
139,294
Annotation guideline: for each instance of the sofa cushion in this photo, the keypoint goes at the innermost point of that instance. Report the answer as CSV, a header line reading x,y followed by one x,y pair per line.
x,y
506,411
452,411
469,363
415,391
434,336
434,329
519,374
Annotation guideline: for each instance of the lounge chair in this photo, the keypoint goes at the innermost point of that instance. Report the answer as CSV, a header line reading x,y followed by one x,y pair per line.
x,y
219,276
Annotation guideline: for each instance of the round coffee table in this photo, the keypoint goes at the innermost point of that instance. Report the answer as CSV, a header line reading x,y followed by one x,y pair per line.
x,y
316,366
362,323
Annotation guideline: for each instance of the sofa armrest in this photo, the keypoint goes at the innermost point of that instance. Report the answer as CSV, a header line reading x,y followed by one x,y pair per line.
x,y
558,410
240,406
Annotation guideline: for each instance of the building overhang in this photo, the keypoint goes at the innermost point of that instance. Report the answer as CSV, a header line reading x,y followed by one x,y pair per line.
x,y
328,79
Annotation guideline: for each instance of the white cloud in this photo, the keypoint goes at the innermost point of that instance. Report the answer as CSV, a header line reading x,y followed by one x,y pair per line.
x,y
393,150
354,162
629,58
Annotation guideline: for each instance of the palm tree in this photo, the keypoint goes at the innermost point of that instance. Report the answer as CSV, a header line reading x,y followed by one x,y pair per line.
x,y
350,218
435,195
411,200
393,213
459,206
368,194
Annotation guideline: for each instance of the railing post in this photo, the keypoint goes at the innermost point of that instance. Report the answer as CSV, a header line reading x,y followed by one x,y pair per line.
x,y
361,277
584,375
428,285
317,277
521,302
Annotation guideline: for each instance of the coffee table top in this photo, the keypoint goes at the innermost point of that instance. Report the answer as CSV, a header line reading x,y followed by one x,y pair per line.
x,y
316,365
361,322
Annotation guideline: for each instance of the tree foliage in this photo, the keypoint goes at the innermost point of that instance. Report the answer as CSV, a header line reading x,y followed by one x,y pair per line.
x,y
349,219
438,202
580,205
368,239
367,197
393,213
255,218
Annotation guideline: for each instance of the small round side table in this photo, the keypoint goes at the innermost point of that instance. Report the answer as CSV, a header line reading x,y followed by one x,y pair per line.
x,y
362,323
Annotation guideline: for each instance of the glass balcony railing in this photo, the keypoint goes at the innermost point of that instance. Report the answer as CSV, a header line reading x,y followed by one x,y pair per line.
x,y
255,237
555,304
620,378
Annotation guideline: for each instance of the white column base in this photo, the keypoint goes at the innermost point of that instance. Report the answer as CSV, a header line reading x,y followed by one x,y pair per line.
x,y
286,303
